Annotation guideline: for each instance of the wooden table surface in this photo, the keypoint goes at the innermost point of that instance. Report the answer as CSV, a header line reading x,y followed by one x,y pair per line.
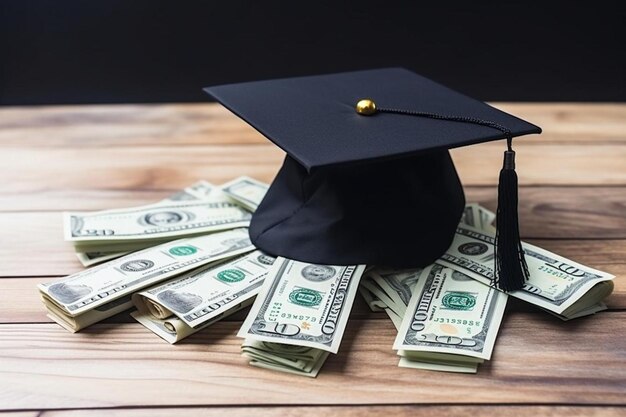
x,y
572,201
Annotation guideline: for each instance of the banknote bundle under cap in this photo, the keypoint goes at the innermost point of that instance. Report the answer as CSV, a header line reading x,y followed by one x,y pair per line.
x,y
368,178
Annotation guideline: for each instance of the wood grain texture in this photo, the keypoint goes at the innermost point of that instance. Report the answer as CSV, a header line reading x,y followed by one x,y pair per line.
x,y
31,171
124,125
572,202
202,124
21,413
422,410
43,366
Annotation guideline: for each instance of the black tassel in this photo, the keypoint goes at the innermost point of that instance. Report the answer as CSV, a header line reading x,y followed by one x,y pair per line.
x,y
511,270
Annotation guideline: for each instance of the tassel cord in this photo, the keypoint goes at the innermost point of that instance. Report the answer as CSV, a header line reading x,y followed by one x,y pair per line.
x,y
510,267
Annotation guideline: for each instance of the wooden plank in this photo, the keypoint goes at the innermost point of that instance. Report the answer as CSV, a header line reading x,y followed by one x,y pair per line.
x,y
544,164
123,125
89,179
564,212
536,361
593,123
21,413
44,170
204,123
422,410
583,201
28,172
545,213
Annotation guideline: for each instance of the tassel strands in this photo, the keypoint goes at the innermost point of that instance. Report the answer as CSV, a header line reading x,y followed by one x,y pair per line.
x,y
511,270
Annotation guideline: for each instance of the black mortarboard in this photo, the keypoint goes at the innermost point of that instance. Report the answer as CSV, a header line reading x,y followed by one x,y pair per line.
x,y
373,183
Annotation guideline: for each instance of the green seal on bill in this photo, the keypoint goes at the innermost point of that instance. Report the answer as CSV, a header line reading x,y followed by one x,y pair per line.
x,y
183,250
305,297
230,275
459,300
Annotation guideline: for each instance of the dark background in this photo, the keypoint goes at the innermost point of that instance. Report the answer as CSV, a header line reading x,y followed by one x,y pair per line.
x,y
114,51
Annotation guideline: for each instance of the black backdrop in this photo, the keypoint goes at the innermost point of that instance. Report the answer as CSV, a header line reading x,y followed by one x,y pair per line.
x,y
94,51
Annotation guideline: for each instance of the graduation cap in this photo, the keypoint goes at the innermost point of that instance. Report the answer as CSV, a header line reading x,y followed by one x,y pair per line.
x,y
368,178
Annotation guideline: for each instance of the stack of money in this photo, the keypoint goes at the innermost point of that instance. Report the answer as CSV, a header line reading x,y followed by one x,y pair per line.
x,y
183,232
200,190
87,297
389,290
451,322
198,209
558,285
182,306
299,316
196,265
392,291
140,227
562,287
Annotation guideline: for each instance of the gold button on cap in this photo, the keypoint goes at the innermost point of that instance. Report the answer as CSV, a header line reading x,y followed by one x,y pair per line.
x,y
366,107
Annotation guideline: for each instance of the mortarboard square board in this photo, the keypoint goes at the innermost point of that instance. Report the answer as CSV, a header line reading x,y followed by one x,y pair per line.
x,y
371,183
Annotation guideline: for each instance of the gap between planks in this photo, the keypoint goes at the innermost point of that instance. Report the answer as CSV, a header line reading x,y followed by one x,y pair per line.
x,y
376,410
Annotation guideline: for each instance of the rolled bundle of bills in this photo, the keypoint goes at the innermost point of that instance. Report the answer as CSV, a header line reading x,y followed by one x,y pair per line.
x,y
299,316
182,306
87,297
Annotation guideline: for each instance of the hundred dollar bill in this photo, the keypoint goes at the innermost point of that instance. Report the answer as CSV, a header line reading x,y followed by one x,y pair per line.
x,y
82,299
451,319
400,287
303,304
556,284
201,190
138,227
246,191
299,317
186,303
